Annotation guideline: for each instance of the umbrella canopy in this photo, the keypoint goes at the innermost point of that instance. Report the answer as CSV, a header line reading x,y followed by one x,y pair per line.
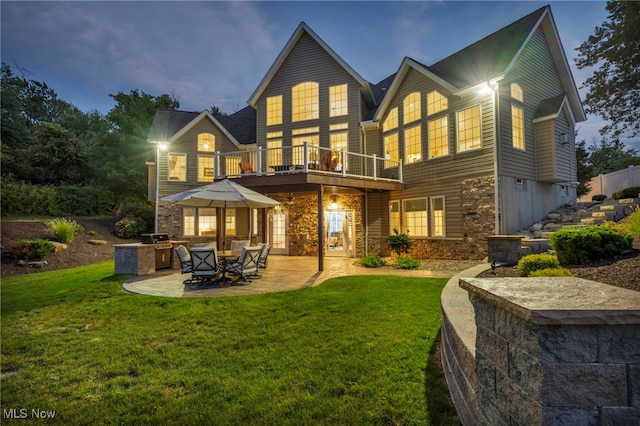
x,y
224,193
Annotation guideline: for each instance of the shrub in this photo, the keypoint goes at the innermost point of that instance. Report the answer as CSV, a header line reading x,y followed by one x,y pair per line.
x,y
581,245
399,243
552,272
599,197
31,249
632,224
63,229
372,261
536,262
137,218
129,228
630,192
92,233
406,262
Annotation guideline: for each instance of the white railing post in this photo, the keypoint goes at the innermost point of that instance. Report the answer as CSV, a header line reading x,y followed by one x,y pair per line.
x,y
259,161
343,157
400,171
216,164
374,170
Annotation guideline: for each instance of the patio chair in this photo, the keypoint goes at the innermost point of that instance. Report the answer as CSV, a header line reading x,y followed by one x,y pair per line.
x,y
205,266
238,245
262,260
246,168
246,265
186,265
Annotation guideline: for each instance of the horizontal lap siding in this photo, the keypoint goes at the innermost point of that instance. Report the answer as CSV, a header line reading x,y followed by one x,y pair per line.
x,y
535,72
565,154
188,144
309,62
544,141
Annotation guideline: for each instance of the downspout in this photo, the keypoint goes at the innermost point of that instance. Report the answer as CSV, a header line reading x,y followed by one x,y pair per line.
x,y
366,198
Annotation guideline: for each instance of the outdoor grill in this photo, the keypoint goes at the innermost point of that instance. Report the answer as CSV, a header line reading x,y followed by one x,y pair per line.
x,y
163,248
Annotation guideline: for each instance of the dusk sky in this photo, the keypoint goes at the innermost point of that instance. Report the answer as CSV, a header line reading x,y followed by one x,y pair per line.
x,y
215,53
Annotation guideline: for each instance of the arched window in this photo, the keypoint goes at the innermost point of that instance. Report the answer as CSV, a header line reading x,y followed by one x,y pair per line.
x,y
411,107
516,92
304,101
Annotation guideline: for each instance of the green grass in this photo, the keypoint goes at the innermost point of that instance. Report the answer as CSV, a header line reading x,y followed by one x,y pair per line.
x,y
355,350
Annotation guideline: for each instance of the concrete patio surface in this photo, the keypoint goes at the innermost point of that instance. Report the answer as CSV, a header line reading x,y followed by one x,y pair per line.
x,y
283,273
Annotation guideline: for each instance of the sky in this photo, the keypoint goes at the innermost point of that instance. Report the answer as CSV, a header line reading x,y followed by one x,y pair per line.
x,y
215,53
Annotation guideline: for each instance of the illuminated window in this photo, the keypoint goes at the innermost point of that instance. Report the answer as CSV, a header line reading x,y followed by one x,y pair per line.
x,y
205,168
274,152
274,110
177,166
436,102
469,129
438,137
339,142
391,150
412,144
394,217
339,126
391,122
516,92
199,221
338,103
230,224
437,216
517,127
206,142
411,107
414,217
310,136
304,101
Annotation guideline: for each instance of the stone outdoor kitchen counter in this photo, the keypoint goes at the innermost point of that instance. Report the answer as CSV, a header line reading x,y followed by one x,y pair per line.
x,y
549,301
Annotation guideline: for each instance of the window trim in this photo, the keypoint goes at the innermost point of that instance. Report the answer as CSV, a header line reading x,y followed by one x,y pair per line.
x,y
296,100
186,159
522,129
404,211
458,151
448,141
404,140
343,102
416,111
204,174
213,142
446,100
432,218
269,114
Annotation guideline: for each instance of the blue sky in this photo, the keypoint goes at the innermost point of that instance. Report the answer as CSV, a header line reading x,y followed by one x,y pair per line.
x,y
215,53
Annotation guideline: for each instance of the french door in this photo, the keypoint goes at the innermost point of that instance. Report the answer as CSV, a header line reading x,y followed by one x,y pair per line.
x,y
279,232
340,233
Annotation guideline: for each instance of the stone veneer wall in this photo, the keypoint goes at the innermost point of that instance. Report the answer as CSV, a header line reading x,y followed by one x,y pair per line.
x,y
545,350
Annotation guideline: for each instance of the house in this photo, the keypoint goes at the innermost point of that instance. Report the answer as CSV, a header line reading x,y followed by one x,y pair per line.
x,y
477,144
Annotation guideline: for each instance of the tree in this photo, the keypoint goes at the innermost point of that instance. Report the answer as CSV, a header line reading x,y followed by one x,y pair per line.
x,y
614,87
608,156
584,169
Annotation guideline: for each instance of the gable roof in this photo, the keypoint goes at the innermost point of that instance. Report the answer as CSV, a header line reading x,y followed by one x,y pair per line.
x,y
303,28
170,125
550,109
492,57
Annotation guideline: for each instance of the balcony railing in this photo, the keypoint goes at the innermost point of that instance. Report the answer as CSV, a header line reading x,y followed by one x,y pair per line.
x,y
306,158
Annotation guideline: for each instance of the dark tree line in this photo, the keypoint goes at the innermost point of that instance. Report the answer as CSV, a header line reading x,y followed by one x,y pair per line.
x,y
47,143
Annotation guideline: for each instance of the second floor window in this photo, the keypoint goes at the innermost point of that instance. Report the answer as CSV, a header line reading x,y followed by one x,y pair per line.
x,y
436,102
438,137
391,122
274,110
411,107
206,142
517,127
304,102
205,168
469,129
178,167
412,144
391,150
338,102
339,141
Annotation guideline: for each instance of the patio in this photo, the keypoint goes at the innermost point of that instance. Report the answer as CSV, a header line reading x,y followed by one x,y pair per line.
x,y
283,273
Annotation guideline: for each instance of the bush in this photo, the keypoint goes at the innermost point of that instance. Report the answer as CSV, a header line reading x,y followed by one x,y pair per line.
x,y
372,261
630,192
552,272
31,249
63,229
536,262
130,228
399,243
406,262
581,245
599,197
137,218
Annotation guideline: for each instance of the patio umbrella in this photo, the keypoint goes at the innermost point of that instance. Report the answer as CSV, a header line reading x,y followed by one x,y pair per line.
x,y
224,193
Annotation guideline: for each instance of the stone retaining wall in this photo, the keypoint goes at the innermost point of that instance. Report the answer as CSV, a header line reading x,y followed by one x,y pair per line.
x,y
545,351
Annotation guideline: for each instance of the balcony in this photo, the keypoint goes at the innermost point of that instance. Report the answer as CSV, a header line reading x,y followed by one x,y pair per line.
x,y
306,159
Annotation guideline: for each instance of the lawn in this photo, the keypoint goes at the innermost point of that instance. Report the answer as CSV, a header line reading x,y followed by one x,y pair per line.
x,y
355,350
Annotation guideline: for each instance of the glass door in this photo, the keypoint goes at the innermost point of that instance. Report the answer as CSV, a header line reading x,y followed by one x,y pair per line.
x,y
340,233
278,232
